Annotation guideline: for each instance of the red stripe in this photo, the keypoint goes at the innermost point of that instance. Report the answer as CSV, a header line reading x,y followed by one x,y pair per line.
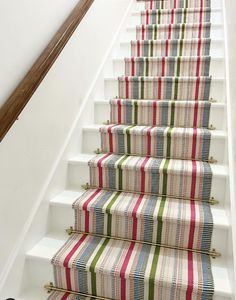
x,y
198,66
169,31
147,15
154,114
149,141
199,47
167,47
201,13
191,235
175,4
85,206
197,88
172,16
67,259
119,111
163,66
132,63
126,87
200,31
143,174
122,272
159,88
99,164
143,32
65,296
138,48
151,3
195,114
134,216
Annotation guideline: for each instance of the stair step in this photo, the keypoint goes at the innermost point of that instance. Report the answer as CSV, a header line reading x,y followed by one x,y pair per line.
x,y
39,258
216,49
157,4
118,67
102,113
78,174
217,90
215,18
92,141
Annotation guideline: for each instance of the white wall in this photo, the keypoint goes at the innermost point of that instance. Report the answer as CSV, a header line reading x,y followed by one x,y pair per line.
x,y
34,146
26,27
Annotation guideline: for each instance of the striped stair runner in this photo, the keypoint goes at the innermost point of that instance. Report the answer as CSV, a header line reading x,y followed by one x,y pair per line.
x,y
144,227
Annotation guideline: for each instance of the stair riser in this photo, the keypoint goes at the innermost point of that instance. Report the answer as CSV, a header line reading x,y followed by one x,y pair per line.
x,y
216,50
140,5
216,67
217,91
102,114
216,18
62,217
78,174
92,141
216,33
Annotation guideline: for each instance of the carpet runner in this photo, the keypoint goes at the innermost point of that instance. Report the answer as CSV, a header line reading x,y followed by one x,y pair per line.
x,y
144,227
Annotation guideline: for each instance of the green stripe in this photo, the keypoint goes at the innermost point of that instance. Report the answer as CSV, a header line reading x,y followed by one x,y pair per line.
x,y
147,66
153,273
178,66
108,211
176,88
135,112
127,131
93,265
168,141
182,31
120,170
151,48
155,32
186,4
181,42
164,186
172,114
142,88
185,15
159,16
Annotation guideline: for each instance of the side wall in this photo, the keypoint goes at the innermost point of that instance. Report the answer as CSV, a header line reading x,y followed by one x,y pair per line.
x,y
26,28
33,148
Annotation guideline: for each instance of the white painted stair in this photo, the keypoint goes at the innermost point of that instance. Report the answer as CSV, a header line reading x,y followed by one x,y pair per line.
x,y
38,269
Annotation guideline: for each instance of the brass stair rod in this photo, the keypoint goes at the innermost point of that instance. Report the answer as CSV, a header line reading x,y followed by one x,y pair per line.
x,y
212,253
211,201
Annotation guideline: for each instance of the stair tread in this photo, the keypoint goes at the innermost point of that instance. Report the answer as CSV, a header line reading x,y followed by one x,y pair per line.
x,y
121,59
217,170
48,246
213,9
68,197
96,128
114,78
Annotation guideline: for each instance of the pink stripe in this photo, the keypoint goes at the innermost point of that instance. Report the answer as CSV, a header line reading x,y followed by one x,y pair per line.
x,y
167,47
119,111
172,16
154,114
151,3
67,259
198,66
126,87
138,48
163,66
134,216
147,17
122,272
132,62
169,32
197,88
143,174
85,205
142,32
175,4
99,164
149,140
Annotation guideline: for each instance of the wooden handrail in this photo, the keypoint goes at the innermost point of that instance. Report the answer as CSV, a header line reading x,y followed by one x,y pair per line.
x,y
13,106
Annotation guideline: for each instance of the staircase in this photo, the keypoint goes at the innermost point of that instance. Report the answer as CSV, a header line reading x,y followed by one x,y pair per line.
x,y
154,195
